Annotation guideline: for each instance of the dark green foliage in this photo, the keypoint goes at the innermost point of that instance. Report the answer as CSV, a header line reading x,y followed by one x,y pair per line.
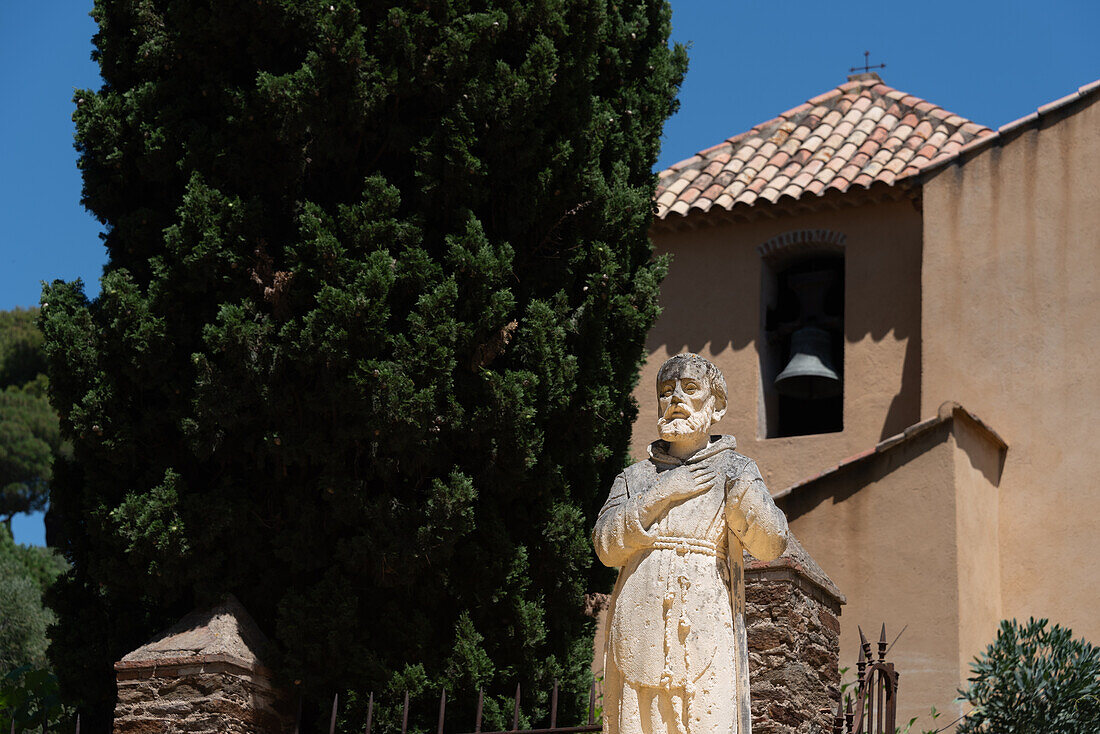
x,y
25,572
1034,680
29,435
378,288
31,702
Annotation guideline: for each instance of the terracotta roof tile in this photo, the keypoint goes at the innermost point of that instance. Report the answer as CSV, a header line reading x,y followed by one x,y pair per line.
x,y
689,196
713,167
866,125
793,190
801,180
824,176
872,169
779,182
863,129
713,191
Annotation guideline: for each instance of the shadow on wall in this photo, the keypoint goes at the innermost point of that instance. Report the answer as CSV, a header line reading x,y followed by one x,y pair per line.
x,y
849,480
713,298
899,415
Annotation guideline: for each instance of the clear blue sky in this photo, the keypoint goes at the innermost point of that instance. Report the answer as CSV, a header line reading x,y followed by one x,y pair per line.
x,y
991,62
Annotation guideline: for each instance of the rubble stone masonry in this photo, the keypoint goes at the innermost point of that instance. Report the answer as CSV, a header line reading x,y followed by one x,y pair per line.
x,y
200,694
792,618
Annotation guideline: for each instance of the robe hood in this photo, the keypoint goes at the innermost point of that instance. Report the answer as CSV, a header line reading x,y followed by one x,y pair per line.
x,y
658,451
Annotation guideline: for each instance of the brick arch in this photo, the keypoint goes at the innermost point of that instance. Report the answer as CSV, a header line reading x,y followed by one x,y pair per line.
x,y
802,241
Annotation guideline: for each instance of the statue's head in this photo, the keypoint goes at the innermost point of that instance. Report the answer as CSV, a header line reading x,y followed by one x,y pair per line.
x,y
691,397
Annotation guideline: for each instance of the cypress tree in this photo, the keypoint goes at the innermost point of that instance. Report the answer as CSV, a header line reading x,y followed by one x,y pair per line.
x,y
378,285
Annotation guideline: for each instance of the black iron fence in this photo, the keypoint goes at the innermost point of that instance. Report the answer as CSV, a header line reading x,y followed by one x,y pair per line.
x,y
876,706
873,709
553,728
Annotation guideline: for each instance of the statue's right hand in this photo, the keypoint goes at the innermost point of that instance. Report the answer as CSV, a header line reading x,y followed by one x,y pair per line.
x,y
702,478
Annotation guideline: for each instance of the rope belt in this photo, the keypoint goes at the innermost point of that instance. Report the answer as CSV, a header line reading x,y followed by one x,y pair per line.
x,y
688,545
678,624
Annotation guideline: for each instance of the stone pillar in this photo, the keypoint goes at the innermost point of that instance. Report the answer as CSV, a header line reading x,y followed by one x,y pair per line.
x,y
202,675
792,610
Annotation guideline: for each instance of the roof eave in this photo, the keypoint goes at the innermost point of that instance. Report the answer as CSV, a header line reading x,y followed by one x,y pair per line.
x,y
878,192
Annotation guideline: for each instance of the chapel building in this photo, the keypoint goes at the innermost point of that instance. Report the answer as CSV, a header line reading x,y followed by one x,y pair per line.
x,y
906,307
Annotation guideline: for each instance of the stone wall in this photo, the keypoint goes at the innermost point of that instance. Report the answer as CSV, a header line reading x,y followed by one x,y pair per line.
x,y
793,627
205,694
204,675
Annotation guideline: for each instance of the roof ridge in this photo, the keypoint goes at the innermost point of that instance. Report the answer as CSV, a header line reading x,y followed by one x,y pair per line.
x,y
853,135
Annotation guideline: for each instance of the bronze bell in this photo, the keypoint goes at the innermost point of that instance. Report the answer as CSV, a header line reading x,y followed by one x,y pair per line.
x,y
809,374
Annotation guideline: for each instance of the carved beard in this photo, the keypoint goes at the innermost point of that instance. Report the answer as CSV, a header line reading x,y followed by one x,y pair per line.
x,y
678,429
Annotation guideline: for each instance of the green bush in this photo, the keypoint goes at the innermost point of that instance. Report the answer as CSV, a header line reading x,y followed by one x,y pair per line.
x,y
1034,680
25,572
29,701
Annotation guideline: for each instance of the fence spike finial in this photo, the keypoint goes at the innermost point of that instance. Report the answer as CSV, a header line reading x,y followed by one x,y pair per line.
x,y
480,702
332,719
78,724
864,644
861,666
370,712
405,714
882,644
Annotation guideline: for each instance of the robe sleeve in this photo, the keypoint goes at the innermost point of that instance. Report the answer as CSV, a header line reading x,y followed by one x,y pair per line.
x,y
619,533
753,517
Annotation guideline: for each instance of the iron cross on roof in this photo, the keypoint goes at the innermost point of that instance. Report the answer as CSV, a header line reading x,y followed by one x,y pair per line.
x,y
867,64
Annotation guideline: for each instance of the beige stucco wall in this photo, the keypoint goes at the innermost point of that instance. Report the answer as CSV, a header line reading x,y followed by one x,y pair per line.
x,y
898,534
890,547
978,466
1011,329
711,304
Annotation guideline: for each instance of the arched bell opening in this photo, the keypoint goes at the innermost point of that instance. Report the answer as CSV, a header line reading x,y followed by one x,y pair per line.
x,y
802,340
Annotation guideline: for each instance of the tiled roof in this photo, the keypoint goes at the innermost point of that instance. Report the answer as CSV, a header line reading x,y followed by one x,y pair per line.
x,y
858,134
1007,130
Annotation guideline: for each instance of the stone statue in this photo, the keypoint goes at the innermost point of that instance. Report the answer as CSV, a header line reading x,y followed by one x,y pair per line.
x,y
675,525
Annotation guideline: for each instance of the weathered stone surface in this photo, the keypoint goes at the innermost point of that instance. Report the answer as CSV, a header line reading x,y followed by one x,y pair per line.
x,y
676,525
794,643
205,674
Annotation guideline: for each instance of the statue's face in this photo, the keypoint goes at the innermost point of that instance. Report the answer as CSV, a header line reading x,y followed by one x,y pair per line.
x,y
685,404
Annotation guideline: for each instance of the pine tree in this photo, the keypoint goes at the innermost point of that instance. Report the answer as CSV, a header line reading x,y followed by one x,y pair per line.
x,y
378,285
29,434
